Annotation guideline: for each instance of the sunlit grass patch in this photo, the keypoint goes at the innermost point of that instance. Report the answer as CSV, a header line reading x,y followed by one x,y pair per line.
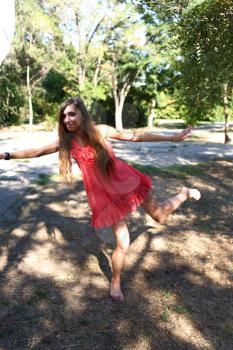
x,y
178,171
165,315
23,160
173,308
194,170
179,309
165,294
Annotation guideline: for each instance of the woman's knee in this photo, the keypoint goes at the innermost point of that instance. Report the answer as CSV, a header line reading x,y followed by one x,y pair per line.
x,y
154,210
123,241
122,236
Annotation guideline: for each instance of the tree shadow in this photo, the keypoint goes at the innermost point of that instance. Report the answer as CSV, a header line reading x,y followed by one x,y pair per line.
x,y
47,312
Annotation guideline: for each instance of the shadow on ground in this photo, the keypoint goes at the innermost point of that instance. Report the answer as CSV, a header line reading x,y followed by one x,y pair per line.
x,y
55,272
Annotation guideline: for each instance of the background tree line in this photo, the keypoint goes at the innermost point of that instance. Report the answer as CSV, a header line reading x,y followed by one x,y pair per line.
x,y
131,61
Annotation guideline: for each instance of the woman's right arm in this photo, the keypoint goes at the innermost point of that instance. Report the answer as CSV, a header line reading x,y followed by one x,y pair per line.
x,y
33,152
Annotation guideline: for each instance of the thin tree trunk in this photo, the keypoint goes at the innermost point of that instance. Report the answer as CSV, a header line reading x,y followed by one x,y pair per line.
x,y
119,99
151,117
226,112
120,95
81,74
118,110
97,71
29,92
118,116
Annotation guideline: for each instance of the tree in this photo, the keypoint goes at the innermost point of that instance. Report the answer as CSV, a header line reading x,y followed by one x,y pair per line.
x,y
126,57
35,45
87,35
11,95
207,31
204,29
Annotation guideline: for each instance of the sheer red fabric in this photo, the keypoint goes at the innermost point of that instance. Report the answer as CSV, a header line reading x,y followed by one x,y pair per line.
x,y
113,198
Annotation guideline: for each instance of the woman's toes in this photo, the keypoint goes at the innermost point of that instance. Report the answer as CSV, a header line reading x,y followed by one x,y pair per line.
x,y
195,194
191,193
117,297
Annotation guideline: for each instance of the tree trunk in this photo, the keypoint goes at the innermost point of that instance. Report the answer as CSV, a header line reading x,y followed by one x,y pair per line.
x,y
118,114
226,112
97,71
120,95
150,122
81,74
29,92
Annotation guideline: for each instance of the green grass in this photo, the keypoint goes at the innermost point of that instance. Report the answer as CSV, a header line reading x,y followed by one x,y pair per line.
x,y
44,179
165,315
179,309
32,190
178,171
22,160
194,170
165,294
173,308
4,302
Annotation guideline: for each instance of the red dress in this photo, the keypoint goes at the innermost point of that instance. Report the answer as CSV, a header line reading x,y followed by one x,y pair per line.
x,y
112,198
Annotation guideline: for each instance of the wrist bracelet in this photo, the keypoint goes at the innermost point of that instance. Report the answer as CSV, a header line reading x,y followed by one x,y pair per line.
x,y
7,156
132,137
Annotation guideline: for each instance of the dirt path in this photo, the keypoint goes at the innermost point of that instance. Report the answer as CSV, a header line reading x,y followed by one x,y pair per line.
x,y
55,271
206,144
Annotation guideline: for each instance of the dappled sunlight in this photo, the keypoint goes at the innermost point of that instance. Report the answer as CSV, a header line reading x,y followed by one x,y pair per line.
x,y
184,329
206,257
20,232
177,277
40,256
158,244
41,235
206,187
3,257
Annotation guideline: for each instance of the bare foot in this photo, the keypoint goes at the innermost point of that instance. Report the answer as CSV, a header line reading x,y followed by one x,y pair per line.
x,y
115,292
191,193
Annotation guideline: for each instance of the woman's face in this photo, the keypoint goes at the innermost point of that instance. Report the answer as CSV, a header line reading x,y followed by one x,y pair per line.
x,y
72,118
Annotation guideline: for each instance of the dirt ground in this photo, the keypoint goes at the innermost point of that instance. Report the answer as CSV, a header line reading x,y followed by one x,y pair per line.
x,y
178,280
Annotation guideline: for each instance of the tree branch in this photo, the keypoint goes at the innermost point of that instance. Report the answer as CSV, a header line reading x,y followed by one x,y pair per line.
x,y
93,33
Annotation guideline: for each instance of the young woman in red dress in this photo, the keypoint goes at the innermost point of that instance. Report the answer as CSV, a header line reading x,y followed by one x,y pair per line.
x,y
113,187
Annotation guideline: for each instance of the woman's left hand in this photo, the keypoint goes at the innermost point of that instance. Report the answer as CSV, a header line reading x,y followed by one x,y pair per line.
x,y
182,135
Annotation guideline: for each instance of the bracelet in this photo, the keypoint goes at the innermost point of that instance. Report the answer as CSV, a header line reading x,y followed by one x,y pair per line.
x,y
7,156
132,137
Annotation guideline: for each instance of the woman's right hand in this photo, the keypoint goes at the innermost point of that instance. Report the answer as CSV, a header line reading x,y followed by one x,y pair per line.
x,y
2,155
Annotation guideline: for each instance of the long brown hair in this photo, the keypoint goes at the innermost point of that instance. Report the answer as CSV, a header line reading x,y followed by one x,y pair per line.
x,y
93,138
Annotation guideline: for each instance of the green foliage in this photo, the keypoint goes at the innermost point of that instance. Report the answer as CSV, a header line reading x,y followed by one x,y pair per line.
x,y
206,30
54,84
175,55
203,30
11,95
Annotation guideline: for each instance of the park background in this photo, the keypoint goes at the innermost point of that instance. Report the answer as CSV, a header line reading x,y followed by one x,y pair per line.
x,y
133,62
141,65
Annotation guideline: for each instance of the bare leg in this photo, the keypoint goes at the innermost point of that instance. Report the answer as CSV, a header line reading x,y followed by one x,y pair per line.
x,y
121,232
159,212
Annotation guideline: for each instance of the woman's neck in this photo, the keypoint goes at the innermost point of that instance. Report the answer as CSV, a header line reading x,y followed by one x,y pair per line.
x,y
80,137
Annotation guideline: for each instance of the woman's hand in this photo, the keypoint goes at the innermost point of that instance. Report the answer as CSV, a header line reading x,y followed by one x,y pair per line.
x,y
2,155
182,135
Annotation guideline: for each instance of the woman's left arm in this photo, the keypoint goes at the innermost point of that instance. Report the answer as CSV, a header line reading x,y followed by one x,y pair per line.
x,y
110,132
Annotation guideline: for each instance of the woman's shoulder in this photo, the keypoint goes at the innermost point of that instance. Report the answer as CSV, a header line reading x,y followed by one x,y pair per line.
x,y
103,129
108,131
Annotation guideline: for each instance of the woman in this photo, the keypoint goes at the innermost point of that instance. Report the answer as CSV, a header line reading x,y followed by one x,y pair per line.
x,y
113,187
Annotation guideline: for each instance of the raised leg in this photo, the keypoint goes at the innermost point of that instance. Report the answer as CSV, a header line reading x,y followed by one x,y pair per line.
x,y
121,233
159,212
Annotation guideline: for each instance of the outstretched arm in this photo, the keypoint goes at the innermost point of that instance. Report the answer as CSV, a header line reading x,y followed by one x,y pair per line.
x,y
33,152
110,132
